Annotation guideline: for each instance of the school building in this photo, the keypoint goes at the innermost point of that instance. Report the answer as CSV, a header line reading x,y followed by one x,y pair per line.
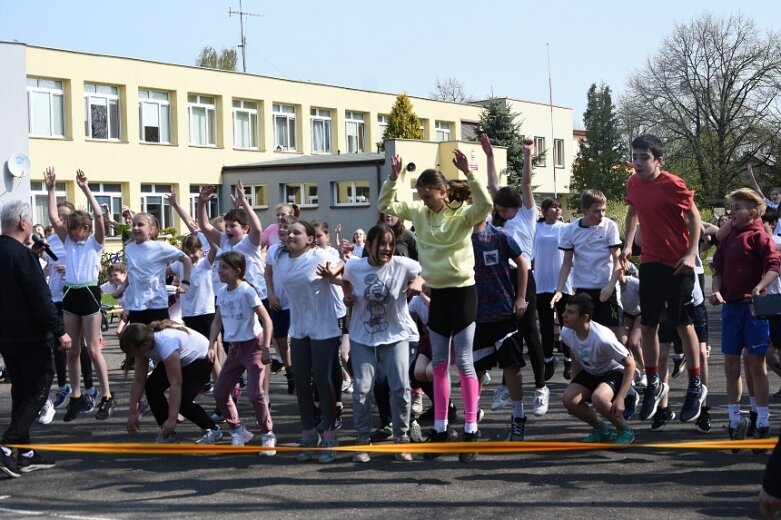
x,y
140,129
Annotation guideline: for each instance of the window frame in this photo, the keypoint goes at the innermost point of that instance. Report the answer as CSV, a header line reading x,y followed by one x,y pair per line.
x,y
539,147
52,93
106,193
210,117
159,104
251,194
110,98
303,187
358,120
253,121
352,200
383,120
278,112
558,155
212,207
443,128
321,117
38,191
166,217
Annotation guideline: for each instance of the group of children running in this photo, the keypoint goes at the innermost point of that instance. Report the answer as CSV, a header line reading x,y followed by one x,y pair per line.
x,y
482,275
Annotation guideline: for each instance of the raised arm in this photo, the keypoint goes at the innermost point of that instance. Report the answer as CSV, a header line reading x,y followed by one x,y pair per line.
x,y
526,178
60,227
255,227
212,234
97,211
481,200
186,217
493,177
385,201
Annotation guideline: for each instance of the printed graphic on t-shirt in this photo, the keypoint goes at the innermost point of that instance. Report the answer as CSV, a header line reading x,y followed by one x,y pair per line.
x,y
377,294
232,308
491,257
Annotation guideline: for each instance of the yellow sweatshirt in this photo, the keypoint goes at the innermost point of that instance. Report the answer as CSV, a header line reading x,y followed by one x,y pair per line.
x,y
444,237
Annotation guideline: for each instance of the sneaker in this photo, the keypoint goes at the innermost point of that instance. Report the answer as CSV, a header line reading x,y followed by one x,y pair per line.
x,y
402,456
486,379
550,368
679,365
381,434
75,406
306,455
692,405
625,436
661,417
62,397
703,421
630,403
470,456
651,397
240,436
435,436
143,407
268,440
567,369
416,406
738,433
541,396
347,386
90,398
8,462
210,436
105,408
642,381
602,434
327,456
751,430
415,433
217,417
501,399
33,461
291,384
276,365
763,432
46,415
361,457
517,429
168,439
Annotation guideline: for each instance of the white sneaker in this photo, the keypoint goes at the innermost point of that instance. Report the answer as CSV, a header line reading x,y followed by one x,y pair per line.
x,y
268,440
240,436
501,398
210,436
417,403
541,396
486,379
347,386
46,414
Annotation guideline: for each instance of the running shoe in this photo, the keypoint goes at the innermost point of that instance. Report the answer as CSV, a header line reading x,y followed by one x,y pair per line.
x,y
472,455
327,456
402,456
630,403
8,462
679,365
517,429
435,436
651,397
625,436
541,396
738,433
75,406
501,398
210,436
692,405
268,440
762,432
62,397
240,436
33,461
46,415
703,421
306,454
661,418
486,379
171,438
91,397
601,434
105,408
550,368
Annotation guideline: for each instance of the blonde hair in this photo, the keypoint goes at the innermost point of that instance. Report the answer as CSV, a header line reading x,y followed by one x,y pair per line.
x,y
590,197
751,198
151,220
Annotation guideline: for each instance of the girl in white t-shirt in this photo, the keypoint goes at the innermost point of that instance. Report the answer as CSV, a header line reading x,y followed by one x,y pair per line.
x,y
279,306
246,328
81,299
314,333
198,302
182,369
380,331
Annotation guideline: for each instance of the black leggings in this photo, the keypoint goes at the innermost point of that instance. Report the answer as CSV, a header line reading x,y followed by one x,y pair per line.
x,y
194,376
530,331
547,324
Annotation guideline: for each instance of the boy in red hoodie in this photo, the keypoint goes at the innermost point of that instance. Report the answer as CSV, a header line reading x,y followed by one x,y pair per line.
x,y
749,257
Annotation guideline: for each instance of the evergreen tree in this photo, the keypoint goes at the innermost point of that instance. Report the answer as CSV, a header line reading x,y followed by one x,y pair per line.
x,y
499,122
601,162
402,122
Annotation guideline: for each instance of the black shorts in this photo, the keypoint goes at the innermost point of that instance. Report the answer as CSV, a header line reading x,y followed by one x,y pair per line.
x,y
668,333
614,378
81,301
202,323
281,322
660,287
605,313
147,316
497,343
775,330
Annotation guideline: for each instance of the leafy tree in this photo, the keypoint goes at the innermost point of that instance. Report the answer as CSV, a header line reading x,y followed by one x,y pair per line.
x,y
210,59
402,121
601,160
450,89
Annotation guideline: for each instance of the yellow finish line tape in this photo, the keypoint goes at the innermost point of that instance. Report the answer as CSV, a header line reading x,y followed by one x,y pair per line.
x,y
424,447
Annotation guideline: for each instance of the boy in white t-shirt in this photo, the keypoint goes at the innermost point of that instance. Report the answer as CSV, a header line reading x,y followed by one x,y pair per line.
x,y
604,369
116,274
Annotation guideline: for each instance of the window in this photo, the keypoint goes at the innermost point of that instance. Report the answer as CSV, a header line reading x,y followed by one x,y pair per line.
x,y
442,130
101,112
382,121
39,200
470,131
355,131
154,115
305,194
414,189
321,130
284,127
351,193
203,120
45,107
154,201
212,207
558,153
255,195
245,124
539,151
111,195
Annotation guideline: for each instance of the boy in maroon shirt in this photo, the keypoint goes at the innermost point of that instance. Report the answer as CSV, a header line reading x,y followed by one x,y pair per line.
x,y
664,207
749,255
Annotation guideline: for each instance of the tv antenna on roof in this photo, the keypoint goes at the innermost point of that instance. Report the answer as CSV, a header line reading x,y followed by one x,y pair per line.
x,y
242,14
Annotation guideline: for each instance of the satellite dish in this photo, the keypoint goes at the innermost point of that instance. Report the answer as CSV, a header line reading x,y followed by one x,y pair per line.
x,y
19,165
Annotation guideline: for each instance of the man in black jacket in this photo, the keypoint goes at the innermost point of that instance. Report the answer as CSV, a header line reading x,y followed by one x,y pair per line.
x,y
30,328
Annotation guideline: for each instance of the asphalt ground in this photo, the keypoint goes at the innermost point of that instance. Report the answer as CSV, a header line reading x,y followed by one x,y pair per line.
x,y
636,482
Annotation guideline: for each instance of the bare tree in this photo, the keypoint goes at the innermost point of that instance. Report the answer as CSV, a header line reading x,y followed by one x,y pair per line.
x,y
712,92
210,59
450,89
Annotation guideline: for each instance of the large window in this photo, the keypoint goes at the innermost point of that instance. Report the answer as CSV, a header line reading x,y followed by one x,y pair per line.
x,y
558,153
540,152
321,130
212,207
39,200
382,122
284,127
442,131
154,115
255,195
303,194
203,120
110,194
245,124
351,193
355,131
154,201
45,107
101,112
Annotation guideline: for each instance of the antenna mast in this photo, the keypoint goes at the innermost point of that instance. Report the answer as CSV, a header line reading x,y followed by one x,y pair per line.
x,y
242,14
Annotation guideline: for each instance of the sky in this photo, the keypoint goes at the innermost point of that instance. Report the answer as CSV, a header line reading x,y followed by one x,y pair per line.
x,y
494,47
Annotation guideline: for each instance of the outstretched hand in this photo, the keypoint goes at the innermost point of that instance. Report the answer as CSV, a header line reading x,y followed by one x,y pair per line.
x,y
485,142
528,145
49,178
396,165
81,179
206,193
460,161
171,197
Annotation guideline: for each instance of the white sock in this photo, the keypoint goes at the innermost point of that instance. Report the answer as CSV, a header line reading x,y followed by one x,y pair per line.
x,y
470,427
440,426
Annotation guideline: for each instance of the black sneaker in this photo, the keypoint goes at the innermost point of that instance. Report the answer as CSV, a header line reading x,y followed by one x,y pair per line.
x,y
630,403
751,429
105,408
550,368
75,407
276,365
8,462
703,421
679,365
762,432
567,369
692,405
517,429
661,417
33,461
651,397
434,436
381,434
738,433
291,384
469,437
